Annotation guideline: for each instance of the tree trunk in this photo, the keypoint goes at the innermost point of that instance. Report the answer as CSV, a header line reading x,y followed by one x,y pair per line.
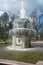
x,y
29,41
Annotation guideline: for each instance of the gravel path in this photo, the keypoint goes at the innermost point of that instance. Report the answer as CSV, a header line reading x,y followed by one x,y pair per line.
x,y
9,62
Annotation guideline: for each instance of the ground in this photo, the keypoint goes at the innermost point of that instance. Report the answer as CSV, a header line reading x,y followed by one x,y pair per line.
x,y
31,56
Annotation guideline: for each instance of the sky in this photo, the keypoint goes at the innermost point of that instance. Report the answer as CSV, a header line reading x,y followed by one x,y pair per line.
x,y
14,6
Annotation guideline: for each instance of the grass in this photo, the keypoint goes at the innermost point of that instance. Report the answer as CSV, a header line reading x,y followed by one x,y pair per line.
x,y
1,40
24,56
7,40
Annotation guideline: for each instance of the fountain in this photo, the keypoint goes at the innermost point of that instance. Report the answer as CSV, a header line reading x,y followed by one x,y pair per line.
x,y
22,30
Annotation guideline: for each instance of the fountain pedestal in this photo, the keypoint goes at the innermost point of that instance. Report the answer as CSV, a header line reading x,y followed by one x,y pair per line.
x,y
18,42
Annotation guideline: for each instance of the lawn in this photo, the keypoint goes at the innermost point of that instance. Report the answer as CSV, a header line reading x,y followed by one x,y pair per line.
x,y
7,40
24,56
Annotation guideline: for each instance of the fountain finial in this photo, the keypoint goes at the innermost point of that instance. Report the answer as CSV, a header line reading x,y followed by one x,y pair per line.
x,y
22,4
22,11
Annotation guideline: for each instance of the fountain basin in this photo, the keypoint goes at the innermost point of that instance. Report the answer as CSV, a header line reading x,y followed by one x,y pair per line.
x,y
23,49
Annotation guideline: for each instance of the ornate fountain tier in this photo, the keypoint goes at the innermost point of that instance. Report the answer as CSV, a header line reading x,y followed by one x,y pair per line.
x,y
21,32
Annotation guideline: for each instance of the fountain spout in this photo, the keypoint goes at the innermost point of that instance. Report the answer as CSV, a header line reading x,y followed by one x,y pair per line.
x,y
22,11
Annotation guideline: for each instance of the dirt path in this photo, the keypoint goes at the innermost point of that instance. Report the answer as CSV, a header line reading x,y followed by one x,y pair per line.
x,y
9,62
38,42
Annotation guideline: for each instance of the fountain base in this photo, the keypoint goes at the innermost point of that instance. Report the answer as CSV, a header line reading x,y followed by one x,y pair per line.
x,y
23,49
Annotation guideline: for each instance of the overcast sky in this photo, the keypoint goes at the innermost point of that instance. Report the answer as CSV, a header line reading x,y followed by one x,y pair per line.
x,y
15,5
